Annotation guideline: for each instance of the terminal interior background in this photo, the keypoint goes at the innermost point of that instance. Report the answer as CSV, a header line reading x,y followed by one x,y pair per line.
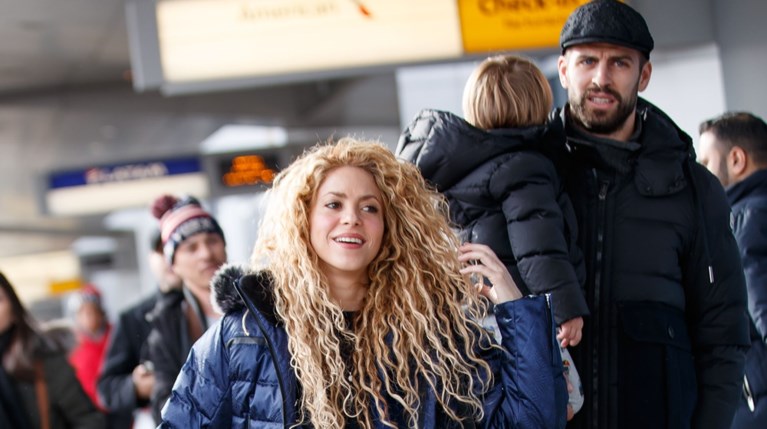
x,y
72,97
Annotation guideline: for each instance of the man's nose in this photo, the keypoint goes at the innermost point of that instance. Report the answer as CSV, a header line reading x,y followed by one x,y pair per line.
x,y
602,76
206,250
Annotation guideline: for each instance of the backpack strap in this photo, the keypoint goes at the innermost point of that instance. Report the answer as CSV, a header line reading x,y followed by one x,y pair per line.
x,y
41,390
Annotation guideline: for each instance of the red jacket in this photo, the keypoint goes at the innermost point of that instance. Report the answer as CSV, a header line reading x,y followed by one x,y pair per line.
x,y
87,358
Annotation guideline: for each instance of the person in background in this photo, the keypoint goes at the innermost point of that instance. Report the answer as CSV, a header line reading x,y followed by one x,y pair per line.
x,y
664,346
38,387
733,147
194,247
92,331
355,314
501,190
125,384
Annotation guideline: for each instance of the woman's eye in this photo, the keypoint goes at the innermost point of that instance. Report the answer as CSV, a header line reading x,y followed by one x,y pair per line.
x,y
333,205
370,209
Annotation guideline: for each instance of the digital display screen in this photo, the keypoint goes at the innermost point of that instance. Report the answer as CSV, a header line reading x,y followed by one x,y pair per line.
x,y
247,170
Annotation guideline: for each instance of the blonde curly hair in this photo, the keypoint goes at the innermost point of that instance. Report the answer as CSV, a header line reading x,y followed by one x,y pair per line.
x,y
417,328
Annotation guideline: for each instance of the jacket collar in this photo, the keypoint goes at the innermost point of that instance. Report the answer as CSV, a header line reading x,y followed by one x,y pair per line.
x,y
656,152
756,183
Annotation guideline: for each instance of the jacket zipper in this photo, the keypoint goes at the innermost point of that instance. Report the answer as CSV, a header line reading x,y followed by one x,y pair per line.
x,y
272,352
276,369
596,316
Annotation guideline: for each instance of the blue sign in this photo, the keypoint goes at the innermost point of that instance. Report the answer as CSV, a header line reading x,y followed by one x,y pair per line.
x,y
124,172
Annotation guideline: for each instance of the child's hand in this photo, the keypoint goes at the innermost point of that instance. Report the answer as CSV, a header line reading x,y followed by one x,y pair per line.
x,y
570,332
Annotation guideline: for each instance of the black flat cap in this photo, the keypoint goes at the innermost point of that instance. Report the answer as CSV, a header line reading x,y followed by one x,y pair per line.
x,y
607,21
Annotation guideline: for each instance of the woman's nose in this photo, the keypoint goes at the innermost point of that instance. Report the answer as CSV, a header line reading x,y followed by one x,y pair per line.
x,y
350,216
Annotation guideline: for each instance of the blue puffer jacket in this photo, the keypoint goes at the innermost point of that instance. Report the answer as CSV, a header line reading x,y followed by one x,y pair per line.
x,y
238,374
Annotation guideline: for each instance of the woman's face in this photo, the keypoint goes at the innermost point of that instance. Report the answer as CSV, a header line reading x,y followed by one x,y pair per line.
x,y
346,223
6,312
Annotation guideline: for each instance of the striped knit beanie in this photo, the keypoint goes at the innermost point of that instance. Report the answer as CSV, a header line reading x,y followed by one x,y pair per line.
x,y
181,218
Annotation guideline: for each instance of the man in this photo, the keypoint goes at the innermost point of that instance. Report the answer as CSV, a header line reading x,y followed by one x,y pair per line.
x,y
733,147
664,346
194,246
125,384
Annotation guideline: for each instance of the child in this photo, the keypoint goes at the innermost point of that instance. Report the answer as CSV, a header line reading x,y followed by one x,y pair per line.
x,y
495,180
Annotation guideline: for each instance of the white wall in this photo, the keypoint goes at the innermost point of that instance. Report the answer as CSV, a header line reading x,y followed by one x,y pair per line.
x,y
688,85
437,86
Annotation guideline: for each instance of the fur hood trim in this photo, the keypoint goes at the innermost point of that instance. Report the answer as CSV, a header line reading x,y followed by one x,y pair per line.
x,y
256,286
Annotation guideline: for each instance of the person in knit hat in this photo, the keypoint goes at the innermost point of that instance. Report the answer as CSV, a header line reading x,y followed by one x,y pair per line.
x,y
664,345
194,246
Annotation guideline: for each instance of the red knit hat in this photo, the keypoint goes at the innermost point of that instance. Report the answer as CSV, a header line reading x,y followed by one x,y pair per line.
x,y
90,293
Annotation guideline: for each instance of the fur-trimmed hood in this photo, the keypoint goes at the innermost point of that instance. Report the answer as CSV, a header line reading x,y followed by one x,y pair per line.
x,y
257,287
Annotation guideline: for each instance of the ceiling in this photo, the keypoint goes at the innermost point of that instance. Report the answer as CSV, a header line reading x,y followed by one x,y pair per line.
x,y
51,43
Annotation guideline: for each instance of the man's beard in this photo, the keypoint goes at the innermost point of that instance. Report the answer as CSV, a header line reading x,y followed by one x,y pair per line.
x,y
598,121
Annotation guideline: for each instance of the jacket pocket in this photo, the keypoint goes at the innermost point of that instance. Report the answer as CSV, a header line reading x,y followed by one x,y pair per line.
x,y
656,382
756,369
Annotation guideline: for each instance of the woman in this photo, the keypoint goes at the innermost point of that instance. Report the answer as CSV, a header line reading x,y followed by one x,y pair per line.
x,y
357,314
38,388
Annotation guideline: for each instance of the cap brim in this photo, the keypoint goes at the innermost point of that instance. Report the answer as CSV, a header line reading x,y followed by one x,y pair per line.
x,y
586,40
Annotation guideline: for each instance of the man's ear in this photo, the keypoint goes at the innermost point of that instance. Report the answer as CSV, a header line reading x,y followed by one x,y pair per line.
x,y
644,75
737,161
562,69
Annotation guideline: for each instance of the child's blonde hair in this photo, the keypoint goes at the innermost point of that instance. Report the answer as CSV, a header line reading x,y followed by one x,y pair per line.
x,y
506,91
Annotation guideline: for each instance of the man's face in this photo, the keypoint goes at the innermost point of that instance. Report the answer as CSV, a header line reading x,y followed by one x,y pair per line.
x,y
198,257
712,154
602,82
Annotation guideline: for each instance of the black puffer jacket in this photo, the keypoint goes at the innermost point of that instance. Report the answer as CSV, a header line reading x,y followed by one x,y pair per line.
x,y
506,195
664,347
177,322
68,405
126,349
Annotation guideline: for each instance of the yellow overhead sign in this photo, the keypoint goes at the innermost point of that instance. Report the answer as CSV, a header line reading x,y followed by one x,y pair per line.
x,y
496,25
223,39
56,287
